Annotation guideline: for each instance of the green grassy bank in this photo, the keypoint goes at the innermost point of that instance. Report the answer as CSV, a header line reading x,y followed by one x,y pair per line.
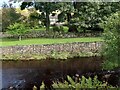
x,y
13,42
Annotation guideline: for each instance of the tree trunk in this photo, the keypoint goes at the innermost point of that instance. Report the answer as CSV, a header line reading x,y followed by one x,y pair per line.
x,y
69,17
84,31
47,20
72,28
68,20
20,38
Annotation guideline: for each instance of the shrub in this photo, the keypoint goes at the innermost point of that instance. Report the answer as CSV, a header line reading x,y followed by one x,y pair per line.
x,y
18,29
111,50
58,28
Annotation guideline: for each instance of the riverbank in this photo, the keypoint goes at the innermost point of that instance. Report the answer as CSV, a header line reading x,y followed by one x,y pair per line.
x,y
55,51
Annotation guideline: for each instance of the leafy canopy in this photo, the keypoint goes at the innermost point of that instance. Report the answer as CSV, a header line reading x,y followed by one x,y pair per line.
x,y
9,16
17,29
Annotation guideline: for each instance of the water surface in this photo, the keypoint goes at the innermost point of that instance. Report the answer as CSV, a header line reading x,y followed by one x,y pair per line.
x,y
28,73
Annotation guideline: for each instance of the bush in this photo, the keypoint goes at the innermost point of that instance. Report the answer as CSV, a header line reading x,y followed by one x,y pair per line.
x,y
111,50
58,28
18,29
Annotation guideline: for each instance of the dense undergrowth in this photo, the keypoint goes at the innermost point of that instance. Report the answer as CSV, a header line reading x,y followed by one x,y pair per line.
x,y
111,49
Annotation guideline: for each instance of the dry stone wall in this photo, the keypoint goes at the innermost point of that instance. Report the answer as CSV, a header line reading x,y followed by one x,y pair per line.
x,y
93,47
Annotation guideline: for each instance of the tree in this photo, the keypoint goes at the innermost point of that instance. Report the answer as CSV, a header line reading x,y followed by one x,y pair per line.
x,y
90,14
87,15
33,18
111,50
9,16
93,13
67,9
45,7
18,29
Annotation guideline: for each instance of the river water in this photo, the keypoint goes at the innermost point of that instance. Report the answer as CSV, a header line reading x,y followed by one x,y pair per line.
x,y
29,73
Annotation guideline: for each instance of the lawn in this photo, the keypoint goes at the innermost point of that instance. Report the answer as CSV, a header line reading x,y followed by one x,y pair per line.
x,y
13,42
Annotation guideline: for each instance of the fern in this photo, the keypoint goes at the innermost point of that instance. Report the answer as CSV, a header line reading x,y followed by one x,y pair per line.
x,y
78,86
96,82
84,83
66,84
42,86
55,85
34,88
89,83
61,85
71,81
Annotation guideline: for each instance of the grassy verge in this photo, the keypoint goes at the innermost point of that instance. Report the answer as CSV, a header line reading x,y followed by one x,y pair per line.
x,y
13,42
52,55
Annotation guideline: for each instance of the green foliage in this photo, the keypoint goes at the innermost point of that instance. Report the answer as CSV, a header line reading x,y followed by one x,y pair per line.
x,y
61,17
34,88
45,7
60,55
82,84
112,41
9,16
93,13
11,57
42,86
54,54
33,19
58,28
18,29
74,23
26,56
66,10
71,81
89,14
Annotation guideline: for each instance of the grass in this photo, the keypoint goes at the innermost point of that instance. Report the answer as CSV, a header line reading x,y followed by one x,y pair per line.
x,y
13,42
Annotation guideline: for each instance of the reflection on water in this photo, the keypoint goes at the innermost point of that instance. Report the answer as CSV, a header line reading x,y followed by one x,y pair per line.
x,y
29,73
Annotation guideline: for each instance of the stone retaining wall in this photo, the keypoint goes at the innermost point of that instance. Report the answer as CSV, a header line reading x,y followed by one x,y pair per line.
x,y
93,47
51,34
